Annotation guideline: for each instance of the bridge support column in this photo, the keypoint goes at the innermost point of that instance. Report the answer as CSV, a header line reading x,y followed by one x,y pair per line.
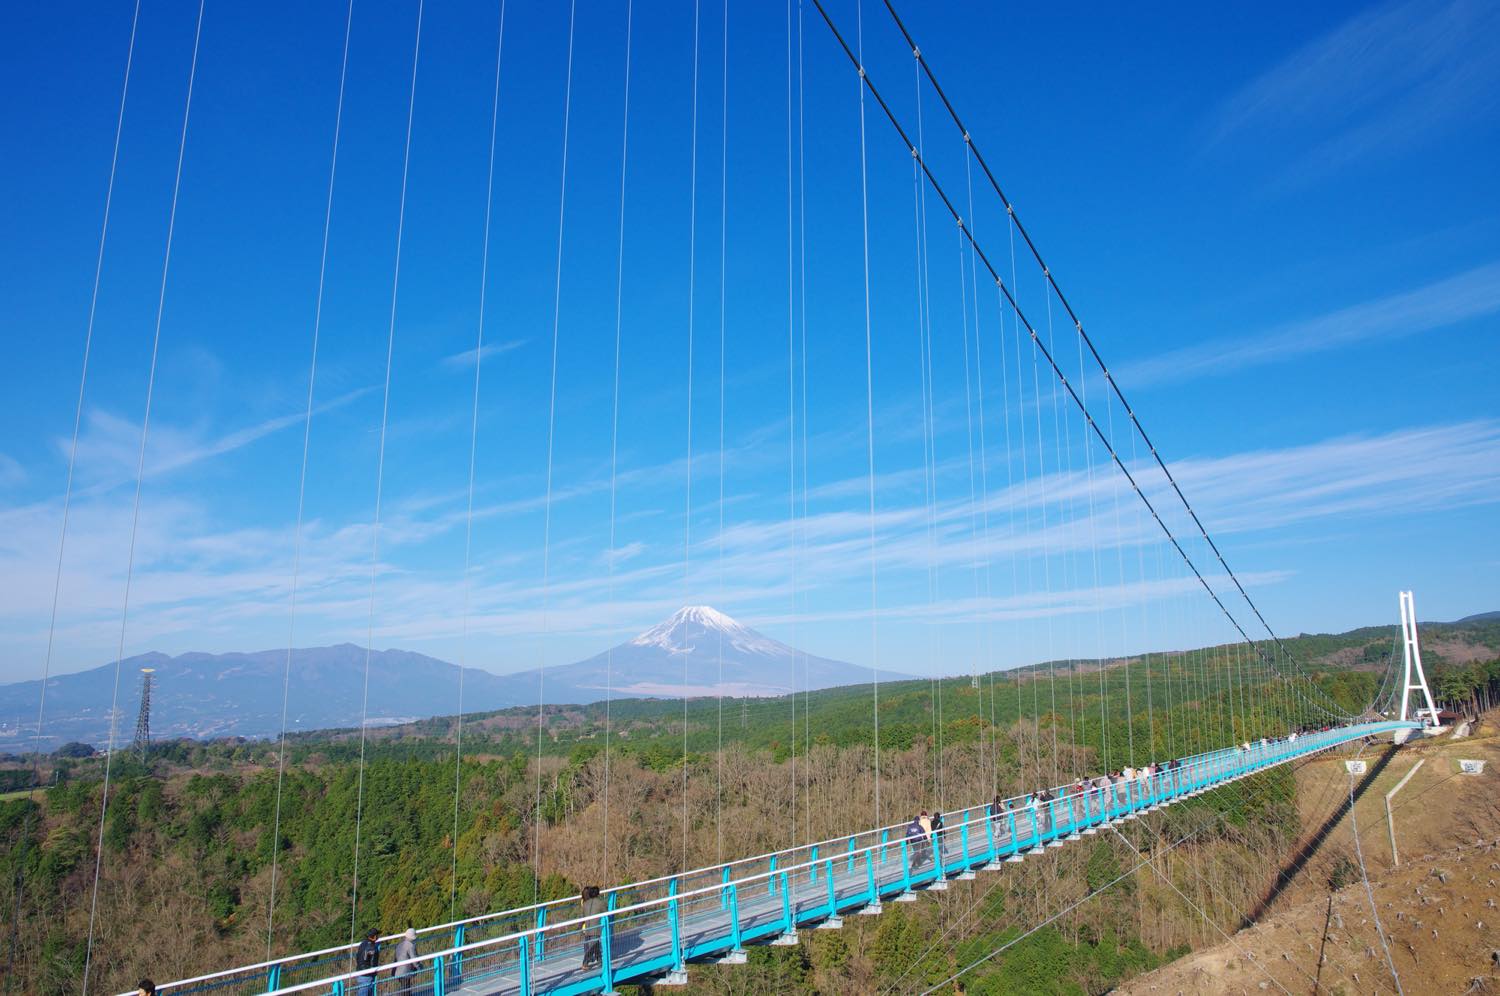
x,y
674,919
906,895
963,844
872,907
606,951
788,935
1015,844
834,921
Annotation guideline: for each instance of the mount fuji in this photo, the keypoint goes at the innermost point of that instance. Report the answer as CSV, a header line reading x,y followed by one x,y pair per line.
x,y
699,651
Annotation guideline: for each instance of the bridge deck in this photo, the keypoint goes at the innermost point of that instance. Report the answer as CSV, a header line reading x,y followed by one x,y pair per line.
x,y
657,927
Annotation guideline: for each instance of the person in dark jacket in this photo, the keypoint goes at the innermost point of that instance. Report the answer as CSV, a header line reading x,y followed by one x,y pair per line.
x,y
593,904
366,959
915,835
146,988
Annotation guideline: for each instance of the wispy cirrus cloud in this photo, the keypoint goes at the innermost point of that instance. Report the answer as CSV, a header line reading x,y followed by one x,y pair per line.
x,y
204,585
465,360
1386,80
1471,294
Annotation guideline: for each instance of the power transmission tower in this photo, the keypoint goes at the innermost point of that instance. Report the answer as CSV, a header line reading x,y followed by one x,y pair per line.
x,y
142,742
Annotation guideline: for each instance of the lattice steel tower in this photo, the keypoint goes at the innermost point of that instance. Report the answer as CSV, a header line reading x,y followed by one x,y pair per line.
x,y
142,741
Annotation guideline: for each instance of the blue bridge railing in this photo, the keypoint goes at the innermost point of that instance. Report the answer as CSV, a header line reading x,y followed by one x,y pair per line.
x,y
654,927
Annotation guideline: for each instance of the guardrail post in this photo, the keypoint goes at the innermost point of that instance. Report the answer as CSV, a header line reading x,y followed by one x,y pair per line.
x,y
673,919
724,894
438,982
788,925
850,868
458,956
885,836
833,906
606,952
905,868
963,839
989,835
338,988
771,879
273,979
525,967
735,946
812,869
541,922
870,877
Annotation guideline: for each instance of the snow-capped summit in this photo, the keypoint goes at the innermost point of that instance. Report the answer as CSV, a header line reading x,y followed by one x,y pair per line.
x,y
700,625
699,650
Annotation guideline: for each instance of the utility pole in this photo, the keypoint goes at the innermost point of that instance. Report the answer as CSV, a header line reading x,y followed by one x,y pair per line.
x,y
142,742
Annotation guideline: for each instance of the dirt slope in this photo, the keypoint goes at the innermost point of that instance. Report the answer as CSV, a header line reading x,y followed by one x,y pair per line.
x,y
1439,909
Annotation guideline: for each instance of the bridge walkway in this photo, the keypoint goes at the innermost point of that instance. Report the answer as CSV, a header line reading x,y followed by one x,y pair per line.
x,y
654,929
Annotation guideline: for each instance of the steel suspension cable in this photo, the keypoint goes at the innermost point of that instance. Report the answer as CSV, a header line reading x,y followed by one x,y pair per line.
x,y
1038,345
541,678
791,412
864,203
385,408
312,377
1077,322
67,505
802,342
614,425
985,630
723,297
83,374
929,452
140,476
484,273
687,517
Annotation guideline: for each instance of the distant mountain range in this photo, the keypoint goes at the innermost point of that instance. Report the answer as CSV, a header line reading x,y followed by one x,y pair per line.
x,y
699,651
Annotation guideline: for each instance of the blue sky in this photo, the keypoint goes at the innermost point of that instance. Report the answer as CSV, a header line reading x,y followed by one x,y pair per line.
x,y
1279,226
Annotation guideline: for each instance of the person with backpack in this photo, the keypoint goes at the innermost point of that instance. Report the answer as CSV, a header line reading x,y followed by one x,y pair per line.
x,y
937,837
366,960
915,835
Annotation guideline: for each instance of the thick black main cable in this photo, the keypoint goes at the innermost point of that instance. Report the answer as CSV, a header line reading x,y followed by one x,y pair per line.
x,y
1077,322
1047,355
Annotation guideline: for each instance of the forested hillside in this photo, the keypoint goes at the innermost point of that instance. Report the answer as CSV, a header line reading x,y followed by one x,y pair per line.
x,y
192,832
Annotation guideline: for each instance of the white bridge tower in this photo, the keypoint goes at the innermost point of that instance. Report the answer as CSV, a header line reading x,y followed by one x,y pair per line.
x,y
1412,662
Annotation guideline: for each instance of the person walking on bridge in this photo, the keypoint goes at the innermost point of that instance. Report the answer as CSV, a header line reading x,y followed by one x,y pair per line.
x,y
593,930
366,960
915,835
406,951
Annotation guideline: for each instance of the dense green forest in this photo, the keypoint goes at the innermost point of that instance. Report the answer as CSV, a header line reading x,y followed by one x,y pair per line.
x,y
192,832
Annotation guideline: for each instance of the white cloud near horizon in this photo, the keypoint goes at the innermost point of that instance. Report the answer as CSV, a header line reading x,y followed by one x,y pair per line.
x,y
204,584
1472,294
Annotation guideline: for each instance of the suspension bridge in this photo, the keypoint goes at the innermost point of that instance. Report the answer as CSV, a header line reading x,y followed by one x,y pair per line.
x,y
1077,462
652,930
